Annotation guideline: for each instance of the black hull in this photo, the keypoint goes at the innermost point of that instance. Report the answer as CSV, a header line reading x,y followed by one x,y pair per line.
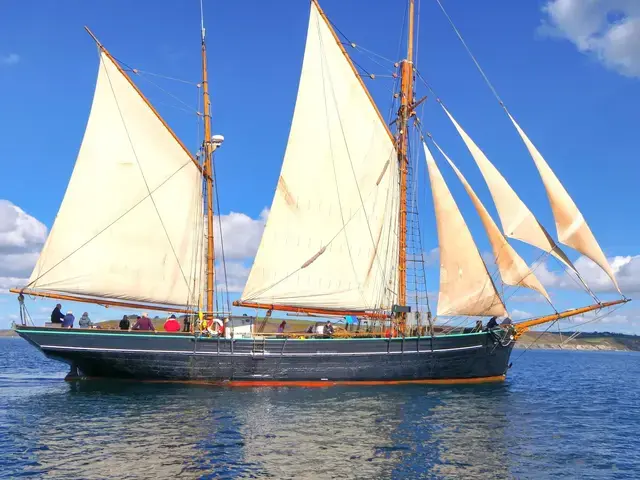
x,y
467,358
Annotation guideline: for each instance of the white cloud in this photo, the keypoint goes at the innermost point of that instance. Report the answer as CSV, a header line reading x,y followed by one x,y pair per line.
x,y
10,282
607,29
615,319
19,231
433,257
625,268
241,235
520,314
528,298
10,59
21,239
237,274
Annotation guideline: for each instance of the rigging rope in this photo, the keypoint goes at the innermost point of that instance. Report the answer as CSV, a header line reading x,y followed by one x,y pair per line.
x,y
149,195
224,263
188,108
144,179
457,32
355,177
598,317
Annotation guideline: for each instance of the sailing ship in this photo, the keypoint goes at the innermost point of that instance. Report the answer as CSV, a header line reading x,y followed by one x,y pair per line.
x,y
335,243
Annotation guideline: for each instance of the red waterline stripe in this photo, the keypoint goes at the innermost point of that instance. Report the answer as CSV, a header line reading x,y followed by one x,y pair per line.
x,y
316,383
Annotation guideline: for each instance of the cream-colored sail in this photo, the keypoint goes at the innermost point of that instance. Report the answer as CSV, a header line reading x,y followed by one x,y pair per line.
x,y
513,269
466,287
130,223
570,224
517,220
330,239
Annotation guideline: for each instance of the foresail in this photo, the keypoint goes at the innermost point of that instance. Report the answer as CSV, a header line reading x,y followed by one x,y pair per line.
x,y
330,238
466,287
517,220
130,224
570,224
513,269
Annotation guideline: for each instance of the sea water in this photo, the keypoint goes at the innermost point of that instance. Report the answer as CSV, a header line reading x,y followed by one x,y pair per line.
x,y
559,414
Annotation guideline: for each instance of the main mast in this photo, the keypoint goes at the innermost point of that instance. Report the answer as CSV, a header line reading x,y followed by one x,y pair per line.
x,y
406,106
208,175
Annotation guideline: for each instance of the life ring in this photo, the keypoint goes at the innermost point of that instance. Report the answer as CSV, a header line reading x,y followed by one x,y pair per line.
x,y
217,326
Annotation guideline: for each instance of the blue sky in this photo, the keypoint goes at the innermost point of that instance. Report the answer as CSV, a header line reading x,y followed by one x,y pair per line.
x,y
569,75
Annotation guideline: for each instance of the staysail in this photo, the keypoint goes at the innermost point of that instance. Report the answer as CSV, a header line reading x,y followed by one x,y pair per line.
x,y
517,220
330,239
513,269
466,287
130,224
570,224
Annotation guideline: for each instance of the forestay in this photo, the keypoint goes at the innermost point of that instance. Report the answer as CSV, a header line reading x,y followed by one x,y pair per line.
x,y
570,224
513,269
130,223
331,237
466,287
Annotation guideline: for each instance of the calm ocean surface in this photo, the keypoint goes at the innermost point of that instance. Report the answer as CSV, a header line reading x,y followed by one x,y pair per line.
x,y
570,414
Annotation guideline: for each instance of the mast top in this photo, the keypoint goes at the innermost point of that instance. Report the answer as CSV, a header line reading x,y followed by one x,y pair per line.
x,y
202,29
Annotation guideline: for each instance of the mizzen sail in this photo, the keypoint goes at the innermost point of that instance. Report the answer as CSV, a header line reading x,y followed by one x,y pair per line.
x,y
466,287
570,224
513,269
130,223
330,240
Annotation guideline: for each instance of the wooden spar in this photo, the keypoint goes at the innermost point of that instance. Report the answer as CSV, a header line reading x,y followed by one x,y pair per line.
x,y
522,327
353,67
306,310
135,87
208,164
100,301
404,113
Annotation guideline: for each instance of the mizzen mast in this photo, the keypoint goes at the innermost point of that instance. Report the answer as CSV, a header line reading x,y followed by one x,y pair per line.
x,y
208,148
404,113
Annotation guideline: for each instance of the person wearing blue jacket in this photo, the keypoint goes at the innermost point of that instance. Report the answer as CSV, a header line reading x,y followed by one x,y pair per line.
x,y
68,320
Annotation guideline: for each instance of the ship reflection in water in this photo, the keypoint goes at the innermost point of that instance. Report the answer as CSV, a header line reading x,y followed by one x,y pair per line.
x,y
127,430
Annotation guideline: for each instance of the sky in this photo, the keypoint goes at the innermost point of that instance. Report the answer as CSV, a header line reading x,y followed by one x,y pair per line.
x,y
568,70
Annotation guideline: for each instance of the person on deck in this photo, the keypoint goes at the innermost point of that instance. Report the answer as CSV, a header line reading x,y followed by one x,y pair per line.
x,y
124,323
56,315
68,320
492,323
282,326
319,329
186,324
144,323
172,325
478,327
85,321
506,323
328,329
349,320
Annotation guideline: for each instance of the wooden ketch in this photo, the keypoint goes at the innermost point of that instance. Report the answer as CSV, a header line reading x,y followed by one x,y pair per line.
x,y
335,243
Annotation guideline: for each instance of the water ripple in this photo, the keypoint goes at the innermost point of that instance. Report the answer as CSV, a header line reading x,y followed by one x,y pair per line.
x,y
571,414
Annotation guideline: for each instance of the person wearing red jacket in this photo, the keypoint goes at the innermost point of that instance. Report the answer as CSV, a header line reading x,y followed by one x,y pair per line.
x,y
172,325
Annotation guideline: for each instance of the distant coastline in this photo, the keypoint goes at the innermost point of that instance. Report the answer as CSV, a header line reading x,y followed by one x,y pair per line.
x,y
587,341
